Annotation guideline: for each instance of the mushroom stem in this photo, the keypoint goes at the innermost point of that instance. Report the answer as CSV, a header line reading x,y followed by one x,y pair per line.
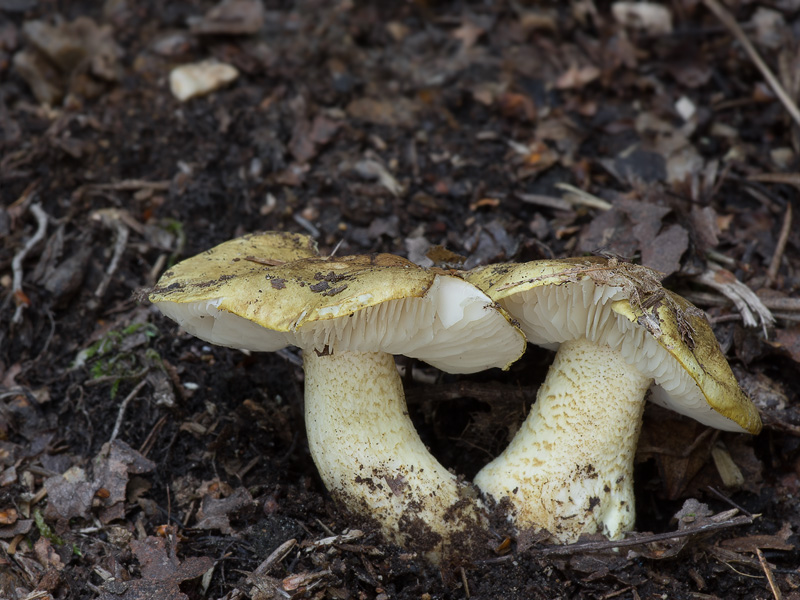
x,y
569,469
371,458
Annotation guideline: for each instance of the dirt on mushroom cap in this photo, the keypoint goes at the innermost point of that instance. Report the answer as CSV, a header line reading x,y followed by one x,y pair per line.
x,y
281,283
302,300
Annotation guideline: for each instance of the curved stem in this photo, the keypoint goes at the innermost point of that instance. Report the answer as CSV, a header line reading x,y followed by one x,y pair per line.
x,y
569,469
370,456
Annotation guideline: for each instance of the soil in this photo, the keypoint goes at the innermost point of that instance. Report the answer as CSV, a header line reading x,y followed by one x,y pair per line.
x,y
137,461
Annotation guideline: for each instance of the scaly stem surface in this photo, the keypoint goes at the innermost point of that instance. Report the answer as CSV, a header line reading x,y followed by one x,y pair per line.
x,y
569,469
370,456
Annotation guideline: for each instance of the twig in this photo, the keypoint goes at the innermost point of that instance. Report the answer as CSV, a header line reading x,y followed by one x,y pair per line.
x,y
146,446
307,225
787,304
123,407
616,593
728,21
16,263
130,185
775,263
336,248
577,196
110,219
277,555
547,201
774,304
787,178
768,572
49,314
723,497
104,379
638,540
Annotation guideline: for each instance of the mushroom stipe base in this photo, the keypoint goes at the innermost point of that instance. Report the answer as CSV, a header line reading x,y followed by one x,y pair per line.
x,y
371,457
568,469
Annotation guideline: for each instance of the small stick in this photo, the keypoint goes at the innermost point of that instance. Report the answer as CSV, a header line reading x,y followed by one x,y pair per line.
x,y
723,497
775,263
16,263
277,555
639,540
336,248
123,407
465,582
727,19
130,185
119,248
579,196
776,592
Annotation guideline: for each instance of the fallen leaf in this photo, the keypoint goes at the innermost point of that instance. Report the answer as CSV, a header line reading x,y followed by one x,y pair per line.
x,y
788,340
491,242
69,496
21,527
663,253
47,555
112,467
517,106
162,571
79,55
750,543
636,165
215,513
468,33
654,19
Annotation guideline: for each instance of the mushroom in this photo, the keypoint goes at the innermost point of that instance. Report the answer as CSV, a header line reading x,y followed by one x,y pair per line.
x,y
349,315
617,332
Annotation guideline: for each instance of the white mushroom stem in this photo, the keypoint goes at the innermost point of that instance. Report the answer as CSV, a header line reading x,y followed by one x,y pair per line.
x,y
569,469
370,456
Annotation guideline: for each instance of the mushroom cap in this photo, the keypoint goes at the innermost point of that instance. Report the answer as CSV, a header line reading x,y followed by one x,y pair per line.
x,y
267,291
625,306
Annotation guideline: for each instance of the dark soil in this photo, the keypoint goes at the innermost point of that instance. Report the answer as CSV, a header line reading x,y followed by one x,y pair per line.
x,y
377,127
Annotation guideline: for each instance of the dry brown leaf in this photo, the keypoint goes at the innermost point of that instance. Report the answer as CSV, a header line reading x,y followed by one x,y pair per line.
x,y
47,555
69,496
788,340
162,571
112,467
750,543
663,252
215,513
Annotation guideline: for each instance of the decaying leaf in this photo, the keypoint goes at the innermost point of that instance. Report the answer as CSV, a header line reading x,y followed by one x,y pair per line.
x,y
68,496
162,571
112,468
215,513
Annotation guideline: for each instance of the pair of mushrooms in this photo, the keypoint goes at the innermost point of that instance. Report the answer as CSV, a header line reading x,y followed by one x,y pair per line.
x,y
568,470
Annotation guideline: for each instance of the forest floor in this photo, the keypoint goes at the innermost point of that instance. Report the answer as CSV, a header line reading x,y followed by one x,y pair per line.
x,y
139,462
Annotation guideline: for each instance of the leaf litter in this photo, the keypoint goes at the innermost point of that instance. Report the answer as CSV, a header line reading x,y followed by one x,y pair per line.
x,y
440,131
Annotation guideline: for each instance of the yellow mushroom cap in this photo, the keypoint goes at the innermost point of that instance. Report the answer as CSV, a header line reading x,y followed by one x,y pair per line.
x,y
625,306
267,291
